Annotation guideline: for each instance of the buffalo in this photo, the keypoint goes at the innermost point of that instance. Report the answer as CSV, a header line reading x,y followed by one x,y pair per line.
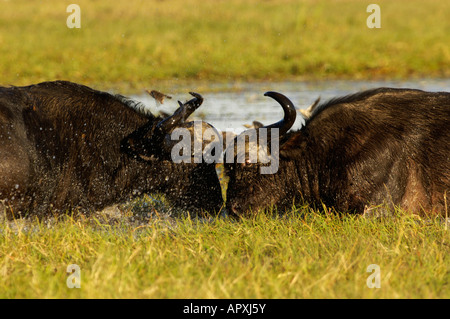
x,y
379,149
65,146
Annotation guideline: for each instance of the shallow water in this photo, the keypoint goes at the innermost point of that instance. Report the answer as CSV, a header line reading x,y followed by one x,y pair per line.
x,y
246,103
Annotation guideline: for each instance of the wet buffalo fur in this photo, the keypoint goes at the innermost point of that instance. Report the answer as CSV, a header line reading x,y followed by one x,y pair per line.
x,y
385,146
64,146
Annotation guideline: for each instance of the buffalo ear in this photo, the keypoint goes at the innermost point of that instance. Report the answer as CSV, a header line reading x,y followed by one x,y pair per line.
x,y
136,146
294,147
290,153
284,153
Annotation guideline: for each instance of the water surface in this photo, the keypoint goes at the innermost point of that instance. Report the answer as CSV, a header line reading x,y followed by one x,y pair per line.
x,y
231,110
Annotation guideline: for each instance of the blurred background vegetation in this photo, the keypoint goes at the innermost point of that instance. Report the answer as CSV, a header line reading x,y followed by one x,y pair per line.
x,y
129,45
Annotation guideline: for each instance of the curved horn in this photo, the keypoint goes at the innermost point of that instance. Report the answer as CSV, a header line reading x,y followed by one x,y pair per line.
x,y
181,114
289,112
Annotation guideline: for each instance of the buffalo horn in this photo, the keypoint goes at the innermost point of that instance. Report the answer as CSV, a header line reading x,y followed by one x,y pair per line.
x,y
289,112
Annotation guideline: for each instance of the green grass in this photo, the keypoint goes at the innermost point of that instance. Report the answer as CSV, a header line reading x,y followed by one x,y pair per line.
x,y
135,44
303,254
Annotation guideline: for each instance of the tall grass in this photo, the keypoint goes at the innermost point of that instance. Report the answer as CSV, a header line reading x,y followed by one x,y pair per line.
x,y
134,44
303,254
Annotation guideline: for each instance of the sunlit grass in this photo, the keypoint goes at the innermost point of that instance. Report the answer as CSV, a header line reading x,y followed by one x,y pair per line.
x,y
302,254
135,44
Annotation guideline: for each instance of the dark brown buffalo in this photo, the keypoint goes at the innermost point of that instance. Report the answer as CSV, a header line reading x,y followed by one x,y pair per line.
x,y
388,147
65,146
